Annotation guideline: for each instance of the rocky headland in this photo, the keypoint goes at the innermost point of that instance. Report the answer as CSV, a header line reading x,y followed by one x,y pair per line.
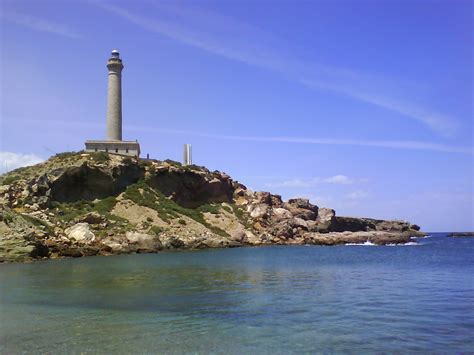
x,y
84,204
461,234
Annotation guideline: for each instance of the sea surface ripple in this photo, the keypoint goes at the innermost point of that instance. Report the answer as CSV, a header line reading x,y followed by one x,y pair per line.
x,y
289,299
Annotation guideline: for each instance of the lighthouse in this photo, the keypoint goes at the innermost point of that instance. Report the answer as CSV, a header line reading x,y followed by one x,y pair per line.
x,y
114,142
114,97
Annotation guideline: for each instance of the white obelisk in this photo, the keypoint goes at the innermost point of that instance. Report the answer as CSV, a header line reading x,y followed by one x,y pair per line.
x,y
187,155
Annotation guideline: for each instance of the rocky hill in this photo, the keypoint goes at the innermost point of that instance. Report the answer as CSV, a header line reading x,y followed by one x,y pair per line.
x,y
78,204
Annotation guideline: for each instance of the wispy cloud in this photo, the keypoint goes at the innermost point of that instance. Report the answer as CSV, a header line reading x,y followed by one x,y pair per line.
x,y
307,183
390,144
338,179
242,42
357,195
10,161
39,24
410,145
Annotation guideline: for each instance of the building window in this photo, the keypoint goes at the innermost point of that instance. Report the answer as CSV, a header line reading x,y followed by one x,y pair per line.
x,y
116,150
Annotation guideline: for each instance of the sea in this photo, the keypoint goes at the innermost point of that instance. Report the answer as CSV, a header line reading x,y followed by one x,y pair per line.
x,y
274,299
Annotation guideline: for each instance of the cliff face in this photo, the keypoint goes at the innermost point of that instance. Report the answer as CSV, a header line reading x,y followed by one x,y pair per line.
x,y
97,204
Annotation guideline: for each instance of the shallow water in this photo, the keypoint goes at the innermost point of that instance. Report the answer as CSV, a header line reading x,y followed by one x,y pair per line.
x,y
246,300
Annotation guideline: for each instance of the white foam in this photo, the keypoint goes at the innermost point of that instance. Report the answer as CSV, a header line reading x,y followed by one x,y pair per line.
x,y
401,245
367,243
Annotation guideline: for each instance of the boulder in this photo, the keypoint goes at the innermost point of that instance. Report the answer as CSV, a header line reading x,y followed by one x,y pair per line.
x,y
302,203
299,222
302,208
80,232
325,219
144,242
74,252
351,224
388,226
281,213
262,197
282,230
92,218
172,242
258,211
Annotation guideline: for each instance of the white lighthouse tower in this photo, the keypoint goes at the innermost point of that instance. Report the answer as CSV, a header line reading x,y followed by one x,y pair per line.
x,y
114,142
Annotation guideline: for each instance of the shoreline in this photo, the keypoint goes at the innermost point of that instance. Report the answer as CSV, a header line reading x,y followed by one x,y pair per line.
x,y
81,250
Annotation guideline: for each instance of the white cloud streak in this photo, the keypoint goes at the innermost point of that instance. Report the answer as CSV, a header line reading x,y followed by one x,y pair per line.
x,y
224,36
338,179
39,24
10,161
406,145
409,145
357,195
307,183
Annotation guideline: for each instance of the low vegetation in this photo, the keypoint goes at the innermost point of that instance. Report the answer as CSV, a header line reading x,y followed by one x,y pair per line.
x,y
38,223
167,209
10,179
69,211
156,230
65,155
99,156
105,205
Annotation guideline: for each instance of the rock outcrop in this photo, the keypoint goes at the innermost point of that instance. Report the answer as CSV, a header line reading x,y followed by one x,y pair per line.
x,y
77,205
461,234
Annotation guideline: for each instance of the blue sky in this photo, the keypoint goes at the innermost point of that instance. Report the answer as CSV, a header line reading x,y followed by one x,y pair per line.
x,y
362,106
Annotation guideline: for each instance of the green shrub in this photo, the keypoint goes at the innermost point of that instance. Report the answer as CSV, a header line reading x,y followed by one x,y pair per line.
x,y
173,162
156,230
6,217
65,155
192,167
70,211
10,179
143,163
152,170
209,208
105,205
38,223
182,221
242,216
100,156
144,195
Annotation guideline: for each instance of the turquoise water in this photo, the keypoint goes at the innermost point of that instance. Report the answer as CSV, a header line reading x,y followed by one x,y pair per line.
x,y
248,300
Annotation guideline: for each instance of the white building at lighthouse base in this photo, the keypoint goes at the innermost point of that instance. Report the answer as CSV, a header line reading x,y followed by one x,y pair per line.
x,y
131,148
